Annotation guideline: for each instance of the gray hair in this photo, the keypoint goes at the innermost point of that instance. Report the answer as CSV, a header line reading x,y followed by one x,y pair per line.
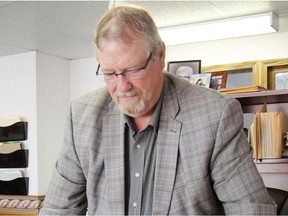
x,y
126,21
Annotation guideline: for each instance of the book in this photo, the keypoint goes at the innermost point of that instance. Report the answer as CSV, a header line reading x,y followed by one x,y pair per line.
x,y
243,89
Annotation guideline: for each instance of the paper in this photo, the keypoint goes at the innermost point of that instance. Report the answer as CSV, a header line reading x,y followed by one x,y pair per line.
x,y
267,132
7,121
9,174
6,148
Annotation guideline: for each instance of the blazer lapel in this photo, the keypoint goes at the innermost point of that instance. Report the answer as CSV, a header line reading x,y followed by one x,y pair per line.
x,y
166,163
167,152
113,140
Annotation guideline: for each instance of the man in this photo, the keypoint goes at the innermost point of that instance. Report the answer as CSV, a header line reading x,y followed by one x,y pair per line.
x,y
150,142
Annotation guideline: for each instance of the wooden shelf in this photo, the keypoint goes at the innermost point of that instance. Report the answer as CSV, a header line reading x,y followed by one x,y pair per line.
x,y
269,96
279,168
276,100
274,172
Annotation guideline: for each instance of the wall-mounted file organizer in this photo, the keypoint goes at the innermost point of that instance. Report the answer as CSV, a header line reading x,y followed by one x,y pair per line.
x,y
10,134
18,186
14,132
16,159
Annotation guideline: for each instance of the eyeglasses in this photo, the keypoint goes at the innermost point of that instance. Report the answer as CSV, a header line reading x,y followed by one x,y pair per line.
x,y
133,74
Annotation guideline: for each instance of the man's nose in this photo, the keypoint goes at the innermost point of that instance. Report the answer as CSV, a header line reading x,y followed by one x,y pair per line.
x,y
123,84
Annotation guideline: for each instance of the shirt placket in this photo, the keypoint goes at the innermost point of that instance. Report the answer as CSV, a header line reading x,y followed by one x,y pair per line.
x,y
136,174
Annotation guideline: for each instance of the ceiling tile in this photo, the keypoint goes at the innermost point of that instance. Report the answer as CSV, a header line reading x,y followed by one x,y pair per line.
x,y
65,28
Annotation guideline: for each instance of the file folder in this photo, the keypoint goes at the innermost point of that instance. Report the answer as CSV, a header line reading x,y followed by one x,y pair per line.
x,y
18,186
14,132
17,159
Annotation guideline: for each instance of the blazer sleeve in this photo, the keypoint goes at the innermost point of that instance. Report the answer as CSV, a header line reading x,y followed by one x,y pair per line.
x,y
237,182
66,194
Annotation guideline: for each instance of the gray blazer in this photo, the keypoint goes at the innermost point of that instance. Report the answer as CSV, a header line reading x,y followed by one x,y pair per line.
x,y
204,163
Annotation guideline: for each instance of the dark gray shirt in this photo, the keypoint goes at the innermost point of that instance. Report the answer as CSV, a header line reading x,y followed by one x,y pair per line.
x,y
140,165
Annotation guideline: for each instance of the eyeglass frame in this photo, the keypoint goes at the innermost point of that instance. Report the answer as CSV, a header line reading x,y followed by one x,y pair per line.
x,y
124,73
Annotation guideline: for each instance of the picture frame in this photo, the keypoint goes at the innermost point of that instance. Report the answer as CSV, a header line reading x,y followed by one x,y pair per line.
x,y
270,69
201,79
218,80
248,72
185,69
281,80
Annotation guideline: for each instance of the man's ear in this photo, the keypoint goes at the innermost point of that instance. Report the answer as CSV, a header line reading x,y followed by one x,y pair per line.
x,y
162,54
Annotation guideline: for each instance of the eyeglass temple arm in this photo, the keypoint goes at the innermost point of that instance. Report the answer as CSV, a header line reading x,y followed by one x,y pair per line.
x,y
97,71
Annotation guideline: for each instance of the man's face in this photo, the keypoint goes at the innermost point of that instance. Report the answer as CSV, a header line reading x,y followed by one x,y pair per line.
x,y
134,97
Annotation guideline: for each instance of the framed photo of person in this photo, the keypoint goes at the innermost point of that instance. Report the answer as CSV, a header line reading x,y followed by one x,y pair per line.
x,y
201,79
218,80
185,69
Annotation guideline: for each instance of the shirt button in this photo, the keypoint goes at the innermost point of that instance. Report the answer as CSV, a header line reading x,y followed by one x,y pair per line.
x,y
137,175
134,204
138,146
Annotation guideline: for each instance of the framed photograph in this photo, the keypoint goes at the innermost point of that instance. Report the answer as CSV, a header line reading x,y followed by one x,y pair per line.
x,y
185,69
218,80
247,72
269,69
201,79
281,80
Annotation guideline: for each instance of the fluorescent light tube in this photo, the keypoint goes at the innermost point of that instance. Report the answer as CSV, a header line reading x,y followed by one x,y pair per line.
x,y
220,29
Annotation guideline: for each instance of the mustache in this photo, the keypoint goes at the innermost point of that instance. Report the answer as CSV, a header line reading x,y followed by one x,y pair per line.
x,y
126,94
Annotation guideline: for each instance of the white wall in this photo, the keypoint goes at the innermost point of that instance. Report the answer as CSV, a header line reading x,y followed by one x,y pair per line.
x,y
38,87
83,77
254,48
53,98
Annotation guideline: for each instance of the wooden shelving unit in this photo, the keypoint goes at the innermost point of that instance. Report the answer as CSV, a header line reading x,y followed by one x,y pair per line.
x,y
275,174
272,167
276,100
263,73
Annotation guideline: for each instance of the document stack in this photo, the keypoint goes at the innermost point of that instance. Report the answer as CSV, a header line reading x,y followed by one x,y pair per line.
x,y
267,132
13,158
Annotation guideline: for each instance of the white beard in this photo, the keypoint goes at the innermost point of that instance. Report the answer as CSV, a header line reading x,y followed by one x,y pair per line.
x,y
133,108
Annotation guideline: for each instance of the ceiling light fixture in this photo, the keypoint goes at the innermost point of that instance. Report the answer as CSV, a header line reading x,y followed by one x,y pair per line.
x,y
220,29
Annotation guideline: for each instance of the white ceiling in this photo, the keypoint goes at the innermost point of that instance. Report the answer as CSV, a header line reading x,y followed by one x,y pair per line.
x,y
65,28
